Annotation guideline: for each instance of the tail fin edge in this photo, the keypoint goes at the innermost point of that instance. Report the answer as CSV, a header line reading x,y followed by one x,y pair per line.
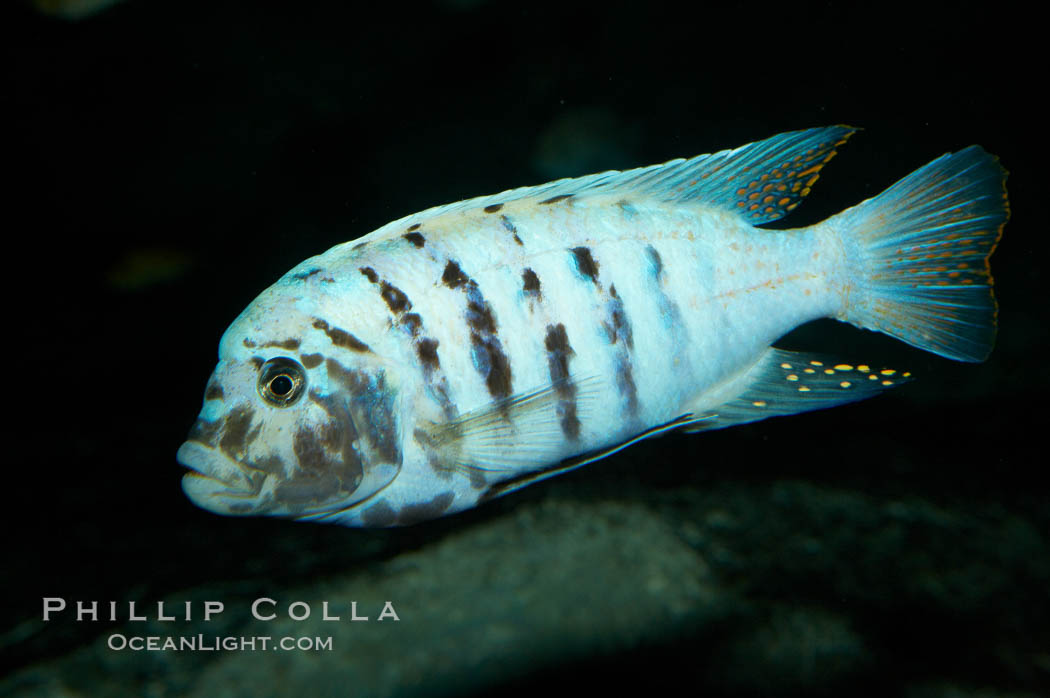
x,y
921,270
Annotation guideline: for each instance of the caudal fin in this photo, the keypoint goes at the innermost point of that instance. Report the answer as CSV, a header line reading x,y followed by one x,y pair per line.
x,y
920,255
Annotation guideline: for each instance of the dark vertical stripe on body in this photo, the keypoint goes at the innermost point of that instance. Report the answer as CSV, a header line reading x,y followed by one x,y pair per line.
x,y
530,283
427,352
559,351
670,314
616,327
394,298
585,264
486,349
510,227
426,347
412,322
415,238
453,276
656,263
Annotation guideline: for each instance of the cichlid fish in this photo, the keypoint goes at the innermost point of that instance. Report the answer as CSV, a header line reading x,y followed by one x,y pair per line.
x,y
463,352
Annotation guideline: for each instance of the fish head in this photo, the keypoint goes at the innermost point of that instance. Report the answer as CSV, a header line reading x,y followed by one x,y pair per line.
x,y
292,425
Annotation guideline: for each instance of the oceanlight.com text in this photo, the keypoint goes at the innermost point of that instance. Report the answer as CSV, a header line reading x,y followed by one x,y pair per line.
x,y
214,643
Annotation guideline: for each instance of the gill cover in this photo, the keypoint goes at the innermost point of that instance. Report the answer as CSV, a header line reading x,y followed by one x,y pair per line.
x,y
360,440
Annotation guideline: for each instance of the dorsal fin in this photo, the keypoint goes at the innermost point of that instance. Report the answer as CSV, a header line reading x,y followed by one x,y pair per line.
x,y
761,181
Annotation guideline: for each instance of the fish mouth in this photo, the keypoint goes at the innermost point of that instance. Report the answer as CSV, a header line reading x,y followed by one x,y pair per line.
x,y
216,482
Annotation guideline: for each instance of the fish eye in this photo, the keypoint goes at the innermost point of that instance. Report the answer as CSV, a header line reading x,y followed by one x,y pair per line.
x,y
281,381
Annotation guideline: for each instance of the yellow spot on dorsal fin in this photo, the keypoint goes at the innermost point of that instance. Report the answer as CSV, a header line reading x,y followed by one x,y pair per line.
x,y
863,369
887,371
785,365
816,363
803,389
759,403
845,384
843,367
811,170
792,377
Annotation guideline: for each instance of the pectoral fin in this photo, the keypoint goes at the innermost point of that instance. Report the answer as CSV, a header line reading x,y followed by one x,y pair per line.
x,y
513,484
515,433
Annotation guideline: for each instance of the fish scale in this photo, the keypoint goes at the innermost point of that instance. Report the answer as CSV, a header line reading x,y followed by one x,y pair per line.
x,y
469,350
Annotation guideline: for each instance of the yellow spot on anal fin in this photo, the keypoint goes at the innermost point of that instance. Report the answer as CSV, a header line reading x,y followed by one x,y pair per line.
x,y
829,371
809,370
843,367
785,365
792,377
845,384
759,403
887,382
803,389
816,363
887,371
863,369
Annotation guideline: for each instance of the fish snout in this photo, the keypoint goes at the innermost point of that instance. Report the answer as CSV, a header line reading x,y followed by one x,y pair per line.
x,y
217,482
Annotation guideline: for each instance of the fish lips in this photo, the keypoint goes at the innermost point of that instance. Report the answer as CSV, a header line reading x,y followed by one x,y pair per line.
x,y
216,482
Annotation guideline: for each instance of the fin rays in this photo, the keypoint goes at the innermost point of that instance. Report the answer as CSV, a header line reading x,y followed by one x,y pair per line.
x,y
761,182
784,382
923,266
488,439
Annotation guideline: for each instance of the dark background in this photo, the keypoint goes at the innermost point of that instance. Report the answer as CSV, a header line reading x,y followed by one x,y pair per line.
x,y
166,161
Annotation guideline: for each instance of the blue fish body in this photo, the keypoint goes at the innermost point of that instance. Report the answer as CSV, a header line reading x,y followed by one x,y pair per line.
x,y
472,349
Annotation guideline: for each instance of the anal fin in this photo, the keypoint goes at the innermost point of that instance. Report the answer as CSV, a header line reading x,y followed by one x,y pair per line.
x,y
785,382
